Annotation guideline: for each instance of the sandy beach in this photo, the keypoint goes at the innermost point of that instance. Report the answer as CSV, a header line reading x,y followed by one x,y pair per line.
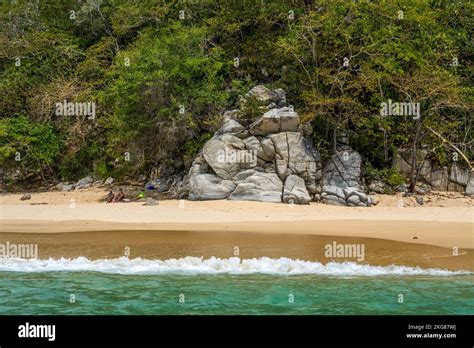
x,y
409,235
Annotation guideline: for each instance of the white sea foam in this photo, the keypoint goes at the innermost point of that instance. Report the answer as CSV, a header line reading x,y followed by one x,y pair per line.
x,y
213,265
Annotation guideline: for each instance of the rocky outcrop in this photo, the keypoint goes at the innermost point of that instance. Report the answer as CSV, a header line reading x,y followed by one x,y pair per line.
x,y
276,98
209,186
470,184
270,160
276,121
449,178
295,191
262,187
341,180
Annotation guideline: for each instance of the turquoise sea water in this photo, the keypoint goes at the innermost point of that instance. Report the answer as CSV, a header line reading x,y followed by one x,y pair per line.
x,y
105,293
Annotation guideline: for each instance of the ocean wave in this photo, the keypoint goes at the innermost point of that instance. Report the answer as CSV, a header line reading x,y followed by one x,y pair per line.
x,y
213,265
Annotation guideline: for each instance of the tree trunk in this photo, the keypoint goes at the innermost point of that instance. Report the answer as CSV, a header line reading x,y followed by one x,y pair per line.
x,y
414,153
334,132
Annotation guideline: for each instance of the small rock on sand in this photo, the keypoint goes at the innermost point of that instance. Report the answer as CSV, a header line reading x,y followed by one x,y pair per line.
x,y
151,201
25,197
84,183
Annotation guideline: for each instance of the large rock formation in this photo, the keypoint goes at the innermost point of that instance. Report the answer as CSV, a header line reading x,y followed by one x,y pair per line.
x,y
456,177
270,160
341,183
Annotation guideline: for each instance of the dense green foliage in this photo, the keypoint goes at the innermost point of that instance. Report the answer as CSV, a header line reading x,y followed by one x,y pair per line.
x,y
162,72
28,145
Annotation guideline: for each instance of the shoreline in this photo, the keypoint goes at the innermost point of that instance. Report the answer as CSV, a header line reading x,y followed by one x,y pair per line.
x,y
445,226
423,236
169,245
413,232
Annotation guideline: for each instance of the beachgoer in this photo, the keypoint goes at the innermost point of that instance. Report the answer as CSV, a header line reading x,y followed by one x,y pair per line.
x,y
119,196
110,197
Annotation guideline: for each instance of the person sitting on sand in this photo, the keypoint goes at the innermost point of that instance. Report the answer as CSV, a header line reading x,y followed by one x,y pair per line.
x,y
110,197
119,196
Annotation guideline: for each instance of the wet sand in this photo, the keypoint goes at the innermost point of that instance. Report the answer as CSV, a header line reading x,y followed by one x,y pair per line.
x,y
438,233
71,224
172,244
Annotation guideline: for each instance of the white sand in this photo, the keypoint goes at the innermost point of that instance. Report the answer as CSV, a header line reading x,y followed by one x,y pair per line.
x,y
448,223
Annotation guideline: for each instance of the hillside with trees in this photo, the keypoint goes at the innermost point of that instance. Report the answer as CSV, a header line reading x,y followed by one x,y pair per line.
x,y
161,73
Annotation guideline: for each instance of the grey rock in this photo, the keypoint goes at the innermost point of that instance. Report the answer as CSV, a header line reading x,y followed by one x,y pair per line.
x,y
222,158
67,188
242,135
419,200
424,169
269,123
209,187
333,200
400,165
373,200
275,121
354,191
401,188
459,175
470,184
269,168
244,175
454,187
25,197
343,169
109,181
232,114
85,181
182,191
289,120
272,106
64,187
263,95
341,179
263,187
268,149
422,189
270,160
439,179
281,97
294,155
165,184
231,126
402,162
81,187
354,200
151,201
377,187
333,191
233,141
254,145
295,191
